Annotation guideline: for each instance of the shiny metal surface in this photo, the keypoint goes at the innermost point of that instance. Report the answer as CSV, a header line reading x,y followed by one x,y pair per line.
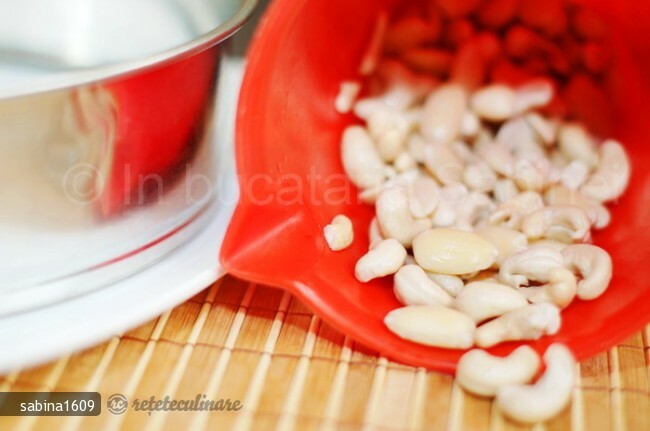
x,y
106,115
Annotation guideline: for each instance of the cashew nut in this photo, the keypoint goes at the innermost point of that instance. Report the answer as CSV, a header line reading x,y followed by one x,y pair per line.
x,y
471,210
532,174
558,159
412,286
593,264
391,173
483,300
386,119
463,151
374,234
386,258
576,144
512,212
443,113
504,190
560,195
394,215
443,163
423,196
534,263
347,96
557,245
394,103
611,178
391,144
507,241
445,215
369,196
497,156
479,176
339,234
450,196
548,396
454,252
533,94
516,134
483,374
561,223
560,290
452,284
545,129
404,162
402,87
484,137
469,125
432,325
376,107
360,159
527,323
495,102
574,174
415,146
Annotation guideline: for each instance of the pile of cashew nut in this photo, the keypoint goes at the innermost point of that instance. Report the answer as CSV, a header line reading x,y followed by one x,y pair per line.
x,y
486,193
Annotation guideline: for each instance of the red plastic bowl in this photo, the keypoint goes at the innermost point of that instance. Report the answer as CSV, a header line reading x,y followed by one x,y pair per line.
x,y
288,137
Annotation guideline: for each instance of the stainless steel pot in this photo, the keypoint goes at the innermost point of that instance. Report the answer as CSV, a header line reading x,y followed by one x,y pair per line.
x,y
106,118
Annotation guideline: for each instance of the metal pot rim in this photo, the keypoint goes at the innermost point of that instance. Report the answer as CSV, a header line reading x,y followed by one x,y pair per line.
x,y
120,69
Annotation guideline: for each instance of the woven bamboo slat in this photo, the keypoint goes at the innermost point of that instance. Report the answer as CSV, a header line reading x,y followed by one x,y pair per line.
x,y
291,371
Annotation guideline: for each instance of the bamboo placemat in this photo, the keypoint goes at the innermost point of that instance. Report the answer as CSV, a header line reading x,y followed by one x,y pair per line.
x,y
291,371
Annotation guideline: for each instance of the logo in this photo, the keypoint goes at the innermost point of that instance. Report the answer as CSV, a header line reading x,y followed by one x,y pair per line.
x,y
117,404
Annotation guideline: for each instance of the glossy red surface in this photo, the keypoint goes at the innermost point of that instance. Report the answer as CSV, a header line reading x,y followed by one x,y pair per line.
x,y
160,118
292,181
